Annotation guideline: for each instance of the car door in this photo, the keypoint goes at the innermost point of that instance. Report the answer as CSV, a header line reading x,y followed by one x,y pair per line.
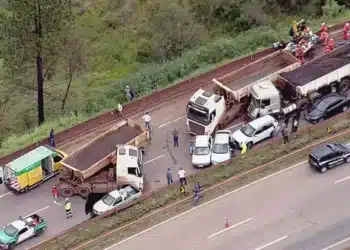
x,y
337,159
258,135
118,202
25,234
334,108
267,130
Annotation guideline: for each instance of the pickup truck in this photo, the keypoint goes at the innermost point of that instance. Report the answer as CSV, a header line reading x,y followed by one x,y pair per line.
x,y
20,230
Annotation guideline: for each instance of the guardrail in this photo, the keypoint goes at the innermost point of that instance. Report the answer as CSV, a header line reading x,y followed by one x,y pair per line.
x,y
257,148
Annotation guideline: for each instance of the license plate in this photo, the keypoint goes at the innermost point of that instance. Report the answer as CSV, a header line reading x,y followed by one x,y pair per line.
x,y
200,166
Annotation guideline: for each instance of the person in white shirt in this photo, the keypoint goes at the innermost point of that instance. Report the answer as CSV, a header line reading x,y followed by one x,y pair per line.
x,y
147,120
182,176
119,110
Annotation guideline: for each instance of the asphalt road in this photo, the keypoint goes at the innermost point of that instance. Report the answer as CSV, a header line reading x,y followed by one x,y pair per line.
x,y
297,209
160,155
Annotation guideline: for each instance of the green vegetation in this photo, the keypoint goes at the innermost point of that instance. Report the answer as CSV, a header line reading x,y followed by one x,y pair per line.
x,y
145,44
208,178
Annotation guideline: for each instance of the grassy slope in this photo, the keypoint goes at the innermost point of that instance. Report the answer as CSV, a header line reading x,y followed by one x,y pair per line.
x,y
99,82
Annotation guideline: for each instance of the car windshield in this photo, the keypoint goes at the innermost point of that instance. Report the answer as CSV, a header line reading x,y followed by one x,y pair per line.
x,y
201,150
248,130
10,230
220,148
108,199
320,105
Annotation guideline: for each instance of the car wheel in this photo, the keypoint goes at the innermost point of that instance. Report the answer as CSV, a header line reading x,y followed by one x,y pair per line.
x,y
324,170
320,120
39,232
347,159
345,108
249,145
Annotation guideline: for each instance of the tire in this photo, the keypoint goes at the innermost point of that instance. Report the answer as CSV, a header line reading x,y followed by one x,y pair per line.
x,y
83,191
39,232
302,104
249,145
344,85
67,192
320,120
324,170
347,159
345,108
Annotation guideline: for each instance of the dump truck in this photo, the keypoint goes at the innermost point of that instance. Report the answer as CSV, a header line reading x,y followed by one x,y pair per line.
x,y
111,161
208,112
295,90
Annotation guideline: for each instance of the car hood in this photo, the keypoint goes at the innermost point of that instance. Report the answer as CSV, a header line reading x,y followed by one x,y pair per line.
x,y
313,112
217,158
4,238
101,207
239,137
200,159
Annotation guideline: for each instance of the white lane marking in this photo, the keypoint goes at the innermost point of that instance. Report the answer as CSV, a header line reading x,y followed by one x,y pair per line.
x,y
172,121
165,124
341,180
5,194
154,159
236,125
337,244
226,229
204,204
58,204
42,209
272,242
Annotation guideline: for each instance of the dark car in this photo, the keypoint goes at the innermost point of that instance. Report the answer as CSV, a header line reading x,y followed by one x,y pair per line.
x,y
327,107
328,156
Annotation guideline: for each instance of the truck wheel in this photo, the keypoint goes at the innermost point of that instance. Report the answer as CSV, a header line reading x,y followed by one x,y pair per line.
x,y
249,145
84,191
67,192
344,85
302,104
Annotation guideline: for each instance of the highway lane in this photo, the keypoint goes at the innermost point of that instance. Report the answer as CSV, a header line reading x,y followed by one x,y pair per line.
x,y
160,156
295,209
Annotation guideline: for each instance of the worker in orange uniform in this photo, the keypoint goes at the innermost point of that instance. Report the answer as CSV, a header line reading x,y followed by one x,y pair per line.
x,y
299,53
346,31
324,28
330,46
324,37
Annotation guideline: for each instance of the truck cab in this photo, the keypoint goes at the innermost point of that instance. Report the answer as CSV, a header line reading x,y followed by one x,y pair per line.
x,y
129,166
204,111
265,100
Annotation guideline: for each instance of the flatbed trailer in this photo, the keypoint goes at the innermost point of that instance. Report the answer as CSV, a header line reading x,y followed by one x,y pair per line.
x,y
88,170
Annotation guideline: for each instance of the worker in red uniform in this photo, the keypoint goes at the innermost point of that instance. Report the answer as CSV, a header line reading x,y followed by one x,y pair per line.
x,y
299,53
330,46
54,192
324,37
346,31
324,28
303,42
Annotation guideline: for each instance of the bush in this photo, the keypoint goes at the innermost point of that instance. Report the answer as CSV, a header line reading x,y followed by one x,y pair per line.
x,y
332,8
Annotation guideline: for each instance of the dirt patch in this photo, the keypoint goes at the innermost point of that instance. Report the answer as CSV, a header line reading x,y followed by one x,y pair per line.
x,y
100,148
319,67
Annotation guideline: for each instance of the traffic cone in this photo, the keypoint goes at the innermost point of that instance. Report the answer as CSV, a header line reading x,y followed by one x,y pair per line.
x,y
227,225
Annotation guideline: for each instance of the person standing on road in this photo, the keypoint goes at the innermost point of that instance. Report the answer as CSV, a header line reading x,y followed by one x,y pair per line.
x,y
285,133
176,138
68,208
295,124
346,31
147,119
54,192
182,176
119,110
243,146
52,138
169,176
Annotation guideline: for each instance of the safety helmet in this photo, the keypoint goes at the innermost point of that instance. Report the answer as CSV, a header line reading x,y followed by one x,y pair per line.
x,y
323,24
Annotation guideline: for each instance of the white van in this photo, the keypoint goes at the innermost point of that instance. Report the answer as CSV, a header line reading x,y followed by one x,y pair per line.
x,y
201,151
129,166
221,150
255,131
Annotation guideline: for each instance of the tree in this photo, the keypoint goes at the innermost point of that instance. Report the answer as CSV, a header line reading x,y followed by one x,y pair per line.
x,y
34,32
74,61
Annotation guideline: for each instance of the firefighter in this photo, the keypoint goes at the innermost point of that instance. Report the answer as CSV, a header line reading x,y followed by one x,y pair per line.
x,y
299,53
303,42
330,46
324,28
346,31
301,26
324,37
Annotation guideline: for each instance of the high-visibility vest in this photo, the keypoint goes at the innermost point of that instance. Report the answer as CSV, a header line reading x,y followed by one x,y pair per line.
x,y
182,189
244,148
329,130
68,205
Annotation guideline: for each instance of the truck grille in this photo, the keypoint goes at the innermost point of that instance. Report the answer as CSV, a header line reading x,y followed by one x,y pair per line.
x,y
196,128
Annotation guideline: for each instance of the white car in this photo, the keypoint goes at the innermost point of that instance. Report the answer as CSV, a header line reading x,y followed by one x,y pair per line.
x,y
201,151
255,131
116,199
221,150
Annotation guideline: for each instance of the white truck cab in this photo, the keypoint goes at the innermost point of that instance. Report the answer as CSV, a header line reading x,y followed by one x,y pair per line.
x,y
204,111
201,151
255,131
129,166
221,148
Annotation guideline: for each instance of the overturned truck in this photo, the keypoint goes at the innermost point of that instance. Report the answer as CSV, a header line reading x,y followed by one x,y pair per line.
x,y
109,162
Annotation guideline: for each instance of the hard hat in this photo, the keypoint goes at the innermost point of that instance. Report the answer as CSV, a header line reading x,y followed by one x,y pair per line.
x,y
323,24
347,24
127,86
67,199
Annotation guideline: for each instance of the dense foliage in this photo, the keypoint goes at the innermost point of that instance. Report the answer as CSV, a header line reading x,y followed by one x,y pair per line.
x,y
143,43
